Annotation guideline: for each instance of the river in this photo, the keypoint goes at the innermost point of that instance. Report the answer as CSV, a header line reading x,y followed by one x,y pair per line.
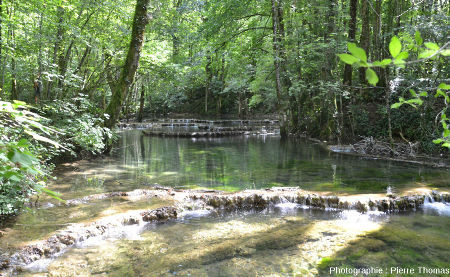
x,y
288,240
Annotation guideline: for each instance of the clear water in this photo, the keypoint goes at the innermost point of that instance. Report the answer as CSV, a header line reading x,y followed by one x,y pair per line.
x,y
237,163
287,242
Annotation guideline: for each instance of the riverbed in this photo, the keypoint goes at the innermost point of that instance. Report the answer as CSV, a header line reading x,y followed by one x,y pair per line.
x,y
286,240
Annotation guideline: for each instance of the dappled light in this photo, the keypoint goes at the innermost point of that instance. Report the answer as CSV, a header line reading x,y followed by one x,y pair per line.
x,y
224,138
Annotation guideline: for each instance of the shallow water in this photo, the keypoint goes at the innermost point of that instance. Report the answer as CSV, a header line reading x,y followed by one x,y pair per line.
x,y
286,242
236,163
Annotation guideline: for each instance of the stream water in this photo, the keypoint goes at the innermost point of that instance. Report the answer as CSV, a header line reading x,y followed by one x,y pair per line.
x,y
237,163
286,241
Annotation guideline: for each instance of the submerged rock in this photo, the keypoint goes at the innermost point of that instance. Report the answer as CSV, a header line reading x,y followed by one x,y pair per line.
x,y
76,233
209,200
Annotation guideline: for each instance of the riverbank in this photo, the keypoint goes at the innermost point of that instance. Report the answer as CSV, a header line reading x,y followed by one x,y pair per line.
x,y
350,149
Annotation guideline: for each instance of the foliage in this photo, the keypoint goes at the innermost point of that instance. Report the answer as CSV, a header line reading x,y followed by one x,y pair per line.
x,y
80,123
358,57
222,58
21,172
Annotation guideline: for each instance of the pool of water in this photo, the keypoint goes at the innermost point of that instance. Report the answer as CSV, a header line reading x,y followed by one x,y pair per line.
x,y
237,163
284,242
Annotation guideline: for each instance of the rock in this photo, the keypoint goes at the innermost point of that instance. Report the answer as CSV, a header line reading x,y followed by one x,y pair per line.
x,y
159,214
66,239
360,207
4,263
130,221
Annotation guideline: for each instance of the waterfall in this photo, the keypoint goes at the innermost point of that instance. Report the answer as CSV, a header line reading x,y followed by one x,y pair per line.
x,y
285,204
433,207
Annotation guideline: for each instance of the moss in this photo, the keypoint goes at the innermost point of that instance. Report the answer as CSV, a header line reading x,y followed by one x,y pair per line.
x,y
405,241
360,207
325,263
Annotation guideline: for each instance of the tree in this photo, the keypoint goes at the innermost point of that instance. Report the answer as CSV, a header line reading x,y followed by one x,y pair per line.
x,y
351,37
126,78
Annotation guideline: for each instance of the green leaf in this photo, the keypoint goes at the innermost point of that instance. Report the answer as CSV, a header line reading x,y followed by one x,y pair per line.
x,y
445,52
348,59
395,46
444,86
403,55
414,101
396,105
383,62
400,63
23,159
446,133
426,54
439,92
437,141
432,46
52,194
418,38
424,94
371,77
23,143
413,93
357,51
44,139
447,144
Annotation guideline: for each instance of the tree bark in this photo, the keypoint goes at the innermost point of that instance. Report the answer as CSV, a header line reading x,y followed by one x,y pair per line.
x,y
140,21
2,74
280,74
209,75
378,46
40,47
14,93
56,49
331,14
364,40
351,37
175,38
141,104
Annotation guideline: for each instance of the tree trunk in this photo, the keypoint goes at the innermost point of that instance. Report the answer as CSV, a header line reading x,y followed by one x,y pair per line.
x,y
365,36
56,49
175,38
2,71
331,15
351,37
277,28
377,52
141,104
14,93
140,21
40,47
209,73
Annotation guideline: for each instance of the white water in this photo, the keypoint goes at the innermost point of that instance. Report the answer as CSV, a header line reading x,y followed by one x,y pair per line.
x,y
430,206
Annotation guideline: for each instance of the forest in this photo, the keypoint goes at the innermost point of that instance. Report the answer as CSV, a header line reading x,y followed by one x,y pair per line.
x,y
372,75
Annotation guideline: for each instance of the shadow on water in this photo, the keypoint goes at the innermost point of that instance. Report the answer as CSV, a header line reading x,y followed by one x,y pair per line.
x,y
254,244
414,241
38,224
284,242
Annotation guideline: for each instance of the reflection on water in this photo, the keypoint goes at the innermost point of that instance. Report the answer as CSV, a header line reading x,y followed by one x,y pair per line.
x,y
290,241
239,163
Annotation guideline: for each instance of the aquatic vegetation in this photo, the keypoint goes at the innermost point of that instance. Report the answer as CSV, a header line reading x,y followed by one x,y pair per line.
x,y
405,241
